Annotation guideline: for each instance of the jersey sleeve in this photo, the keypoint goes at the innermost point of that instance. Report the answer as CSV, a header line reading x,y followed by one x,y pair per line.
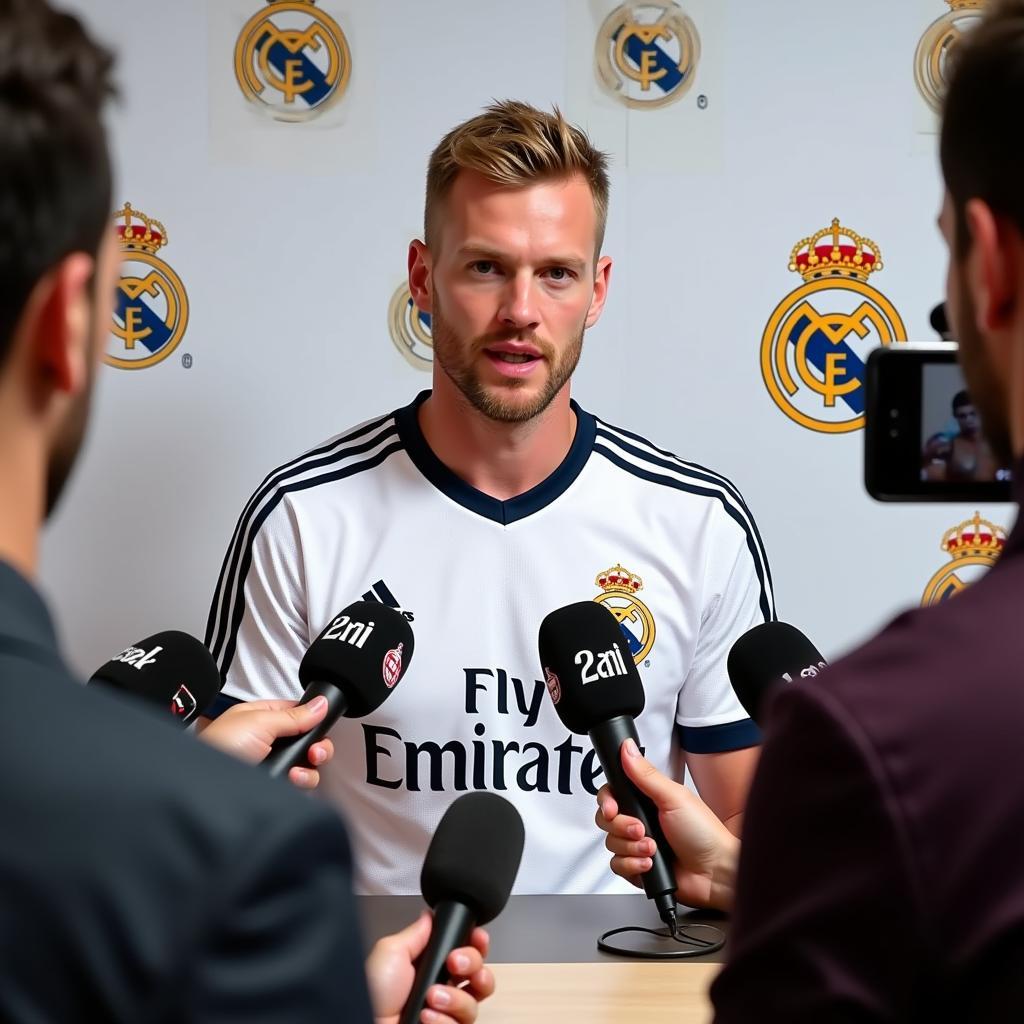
x,y
257,631
827,923
737,596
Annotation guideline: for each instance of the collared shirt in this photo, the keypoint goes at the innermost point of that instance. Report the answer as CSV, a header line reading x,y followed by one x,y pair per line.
x,y
882,873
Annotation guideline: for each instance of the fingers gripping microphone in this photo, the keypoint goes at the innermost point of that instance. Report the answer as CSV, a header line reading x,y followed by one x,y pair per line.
x,y
170,670
767,656
355,663
467,876
597,692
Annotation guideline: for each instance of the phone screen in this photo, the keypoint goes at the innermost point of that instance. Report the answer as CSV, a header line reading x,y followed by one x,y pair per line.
x,y
923,436
953,445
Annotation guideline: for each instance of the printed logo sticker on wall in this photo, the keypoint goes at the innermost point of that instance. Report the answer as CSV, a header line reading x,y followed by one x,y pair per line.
x,y
619,588
814,347
292,60
150,306
646,55
409,327
974,547
932,60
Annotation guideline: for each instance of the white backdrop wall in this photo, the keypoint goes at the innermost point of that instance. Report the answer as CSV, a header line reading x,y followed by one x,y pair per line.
x,y
291,239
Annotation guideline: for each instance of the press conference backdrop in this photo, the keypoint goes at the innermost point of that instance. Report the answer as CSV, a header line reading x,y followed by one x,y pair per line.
x,y
775,187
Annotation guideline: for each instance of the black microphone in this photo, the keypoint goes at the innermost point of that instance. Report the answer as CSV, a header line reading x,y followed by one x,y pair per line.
x,y
170,670
467,876
940,322
597,692
355,663
767,656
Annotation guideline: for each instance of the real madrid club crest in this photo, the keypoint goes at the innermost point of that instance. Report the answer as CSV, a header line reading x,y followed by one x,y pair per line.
x,y
619,587
647,54
150,306
410,329
292,59
815,345
974,547
938,43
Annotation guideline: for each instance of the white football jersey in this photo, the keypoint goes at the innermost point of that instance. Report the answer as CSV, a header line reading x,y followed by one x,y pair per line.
x,y
373,514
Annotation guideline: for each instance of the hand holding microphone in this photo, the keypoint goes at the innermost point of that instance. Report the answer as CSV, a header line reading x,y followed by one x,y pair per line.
x,y
597,692
175,676
467,876
354,664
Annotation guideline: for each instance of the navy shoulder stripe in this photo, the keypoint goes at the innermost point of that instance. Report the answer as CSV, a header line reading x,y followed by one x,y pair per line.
x,y
683,482
718,739
337,452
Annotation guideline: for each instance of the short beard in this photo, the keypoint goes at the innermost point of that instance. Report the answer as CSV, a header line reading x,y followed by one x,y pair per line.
x,y
988,393
68,442
456,360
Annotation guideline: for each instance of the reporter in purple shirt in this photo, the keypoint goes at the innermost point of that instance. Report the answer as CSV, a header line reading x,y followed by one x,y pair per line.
x,y
882,872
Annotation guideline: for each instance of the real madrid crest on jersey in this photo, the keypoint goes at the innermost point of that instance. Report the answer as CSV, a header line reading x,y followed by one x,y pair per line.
x,y
619,588
292,59
814,347
937,44
974,547
410,329
150,306
646,55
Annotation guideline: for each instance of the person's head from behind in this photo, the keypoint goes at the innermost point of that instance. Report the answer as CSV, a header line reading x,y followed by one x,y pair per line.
x,y
58,260
982,219
966,415
510,267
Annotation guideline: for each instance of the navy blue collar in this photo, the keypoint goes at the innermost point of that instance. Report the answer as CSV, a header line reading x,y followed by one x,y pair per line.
x,y
504,512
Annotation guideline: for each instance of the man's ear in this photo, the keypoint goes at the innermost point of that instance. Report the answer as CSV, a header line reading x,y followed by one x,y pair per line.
x,y
56,322
992,268
421,267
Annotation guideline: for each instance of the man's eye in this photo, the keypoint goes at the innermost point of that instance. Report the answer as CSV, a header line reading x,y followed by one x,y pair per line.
x,y
558,274
483,266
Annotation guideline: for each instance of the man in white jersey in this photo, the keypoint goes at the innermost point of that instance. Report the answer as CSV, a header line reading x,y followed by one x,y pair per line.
x,y
480,507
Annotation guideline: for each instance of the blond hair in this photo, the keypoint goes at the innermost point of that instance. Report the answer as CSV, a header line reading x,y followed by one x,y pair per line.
x,y
514,144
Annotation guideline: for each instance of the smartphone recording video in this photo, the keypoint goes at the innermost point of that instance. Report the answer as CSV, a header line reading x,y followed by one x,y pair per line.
x,y
924,438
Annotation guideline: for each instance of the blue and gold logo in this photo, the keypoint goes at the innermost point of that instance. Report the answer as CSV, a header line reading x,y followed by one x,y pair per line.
x,y
619,588
937,45
974,547
814,346
292,60
150,307
410,329
647,54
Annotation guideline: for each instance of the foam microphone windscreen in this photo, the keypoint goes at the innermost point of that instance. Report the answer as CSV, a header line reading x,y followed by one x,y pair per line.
x,y
364,652
765,656
171,670
940,321
474,856
588,668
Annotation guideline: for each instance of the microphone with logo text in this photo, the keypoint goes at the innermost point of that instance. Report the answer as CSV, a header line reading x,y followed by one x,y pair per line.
x,y
467,876
355,663
597,692
766,657
170,670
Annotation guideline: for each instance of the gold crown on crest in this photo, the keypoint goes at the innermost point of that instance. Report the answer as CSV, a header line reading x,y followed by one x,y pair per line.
x,y
975,536
139,231
619,581
856,257
965,5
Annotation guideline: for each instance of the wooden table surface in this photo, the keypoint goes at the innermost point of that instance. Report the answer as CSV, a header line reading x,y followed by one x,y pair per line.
x,y
549,970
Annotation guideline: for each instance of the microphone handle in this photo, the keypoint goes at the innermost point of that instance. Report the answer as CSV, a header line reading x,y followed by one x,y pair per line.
x,y
607,738
289,751
452,926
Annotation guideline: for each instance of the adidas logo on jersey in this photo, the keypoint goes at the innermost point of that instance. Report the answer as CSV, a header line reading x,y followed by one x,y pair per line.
x,y
605,665
380,592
